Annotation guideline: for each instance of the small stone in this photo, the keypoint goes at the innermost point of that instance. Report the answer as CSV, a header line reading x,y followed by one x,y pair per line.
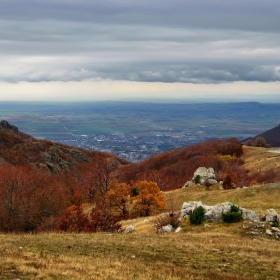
x,y
269,232
254,233
129,229
166,229
275,229
178,229
206,225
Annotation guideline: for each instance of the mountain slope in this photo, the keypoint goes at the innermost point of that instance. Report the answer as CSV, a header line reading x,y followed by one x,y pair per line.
x,y
18,148
272,136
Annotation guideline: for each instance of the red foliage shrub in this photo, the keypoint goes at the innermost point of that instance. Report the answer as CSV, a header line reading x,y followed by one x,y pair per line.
x,y
230,179
74,220
28,196
103,218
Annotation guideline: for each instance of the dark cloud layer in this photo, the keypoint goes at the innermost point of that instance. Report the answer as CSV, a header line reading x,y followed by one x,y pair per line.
x,y
155,41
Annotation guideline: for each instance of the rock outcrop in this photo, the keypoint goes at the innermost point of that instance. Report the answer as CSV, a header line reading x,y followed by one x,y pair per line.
x,y
214,213
6,126
203,176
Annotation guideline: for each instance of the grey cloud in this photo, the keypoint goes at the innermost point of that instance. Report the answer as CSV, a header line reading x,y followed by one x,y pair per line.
x,y
168,41
237,14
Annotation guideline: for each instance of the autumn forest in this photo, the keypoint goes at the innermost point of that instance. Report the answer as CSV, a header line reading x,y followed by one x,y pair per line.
x,y
46,186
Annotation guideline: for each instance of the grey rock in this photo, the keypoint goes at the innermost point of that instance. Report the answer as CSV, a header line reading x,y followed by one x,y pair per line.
x,y
269,232
188,208
214,214
271,216
254,233
166,229
178,229
206,175
129,229
249,215
212,181
188,184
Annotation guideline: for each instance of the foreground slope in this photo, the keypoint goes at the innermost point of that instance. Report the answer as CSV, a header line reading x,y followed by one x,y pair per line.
x,y
201,254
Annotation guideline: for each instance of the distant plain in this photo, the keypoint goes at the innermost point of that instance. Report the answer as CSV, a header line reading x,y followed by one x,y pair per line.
x,y
214,120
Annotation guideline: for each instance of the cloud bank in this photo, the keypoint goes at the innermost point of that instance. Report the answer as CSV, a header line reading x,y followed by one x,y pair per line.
x,y
182,41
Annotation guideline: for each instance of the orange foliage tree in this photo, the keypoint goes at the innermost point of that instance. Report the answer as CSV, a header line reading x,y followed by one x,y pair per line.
x,y
118,196
150,198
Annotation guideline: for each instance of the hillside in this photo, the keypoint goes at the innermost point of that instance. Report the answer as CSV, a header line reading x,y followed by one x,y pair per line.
x,y
272,137
261,159
18,148
172,170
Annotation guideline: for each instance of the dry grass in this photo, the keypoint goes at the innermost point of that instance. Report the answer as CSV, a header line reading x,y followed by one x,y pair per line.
x,y
218,252
260,159
257,198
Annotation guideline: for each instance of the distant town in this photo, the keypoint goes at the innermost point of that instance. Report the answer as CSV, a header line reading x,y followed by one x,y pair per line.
x,y
134,148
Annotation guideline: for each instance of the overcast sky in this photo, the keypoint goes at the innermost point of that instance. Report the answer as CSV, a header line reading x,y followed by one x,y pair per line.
x,y
124,49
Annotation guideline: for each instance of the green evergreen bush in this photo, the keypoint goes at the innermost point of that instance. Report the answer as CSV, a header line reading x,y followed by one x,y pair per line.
x,y
197,179
274,224
197,216
134,192
233,216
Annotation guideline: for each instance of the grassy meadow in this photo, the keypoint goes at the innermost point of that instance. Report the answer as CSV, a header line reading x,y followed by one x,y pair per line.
x,y
218,252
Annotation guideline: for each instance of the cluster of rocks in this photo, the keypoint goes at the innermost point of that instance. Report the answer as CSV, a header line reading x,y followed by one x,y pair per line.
x,y
203,176
261,229
252,223
214,213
